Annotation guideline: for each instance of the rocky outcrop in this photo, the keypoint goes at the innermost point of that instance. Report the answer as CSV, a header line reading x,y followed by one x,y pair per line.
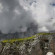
x,y
39,45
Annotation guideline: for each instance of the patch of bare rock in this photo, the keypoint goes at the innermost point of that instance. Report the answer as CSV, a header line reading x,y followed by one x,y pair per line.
x,y
40,45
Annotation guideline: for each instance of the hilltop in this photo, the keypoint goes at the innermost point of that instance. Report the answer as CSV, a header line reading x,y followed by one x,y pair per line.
x,y
38,44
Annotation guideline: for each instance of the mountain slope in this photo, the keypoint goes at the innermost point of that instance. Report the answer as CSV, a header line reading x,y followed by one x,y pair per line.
x,y
38,44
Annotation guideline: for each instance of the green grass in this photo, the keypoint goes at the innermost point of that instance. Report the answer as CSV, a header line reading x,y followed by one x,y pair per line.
x,y
19,39
22,39
45,33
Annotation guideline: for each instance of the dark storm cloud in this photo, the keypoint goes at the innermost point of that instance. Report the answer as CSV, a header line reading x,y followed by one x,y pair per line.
x,y
13,16
16,15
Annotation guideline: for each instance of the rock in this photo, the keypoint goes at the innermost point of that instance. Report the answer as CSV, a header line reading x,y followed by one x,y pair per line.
x,y
6,49
50,53
1,47
40,45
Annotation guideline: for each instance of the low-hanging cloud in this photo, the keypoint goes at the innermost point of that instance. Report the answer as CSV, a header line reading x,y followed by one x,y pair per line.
x,y
13,17
44,14
16,15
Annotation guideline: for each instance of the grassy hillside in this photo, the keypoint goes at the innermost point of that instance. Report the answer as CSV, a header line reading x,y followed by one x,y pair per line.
x,y
28,38
38,44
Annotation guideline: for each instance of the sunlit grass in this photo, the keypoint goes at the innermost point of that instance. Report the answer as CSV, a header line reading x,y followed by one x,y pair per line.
x,y
45,33
19,39
28,38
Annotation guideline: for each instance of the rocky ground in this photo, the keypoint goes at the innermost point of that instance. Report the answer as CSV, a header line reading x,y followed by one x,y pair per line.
x,y
39,45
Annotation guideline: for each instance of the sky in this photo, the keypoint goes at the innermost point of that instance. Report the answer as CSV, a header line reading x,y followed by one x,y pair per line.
x,y
16,15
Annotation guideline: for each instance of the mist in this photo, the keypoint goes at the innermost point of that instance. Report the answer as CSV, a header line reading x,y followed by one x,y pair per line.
x,y
44,14
17,15
13,17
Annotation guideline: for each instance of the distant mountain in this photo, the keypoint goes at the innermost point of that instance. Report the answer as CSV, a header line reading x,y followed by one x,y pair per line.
x,y
31,30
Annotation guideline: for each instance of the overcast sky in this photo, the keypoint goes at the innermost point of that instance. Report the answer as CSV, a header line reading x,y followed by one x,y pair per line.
x,y
19,13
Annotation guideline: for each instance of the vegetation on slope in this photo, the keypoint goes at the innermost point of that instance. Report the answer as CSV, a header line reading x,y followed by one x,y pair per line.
x,y
22,39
